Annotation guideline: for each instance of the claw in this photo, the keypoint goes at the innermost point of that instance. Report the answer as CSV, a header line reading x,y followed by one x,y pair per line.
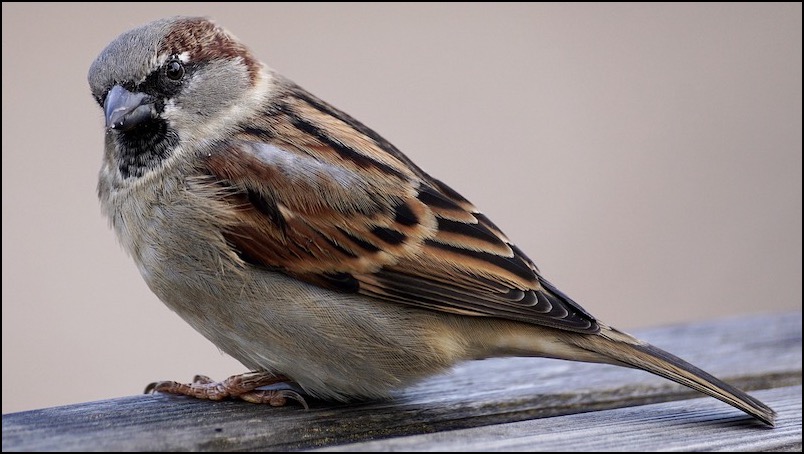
x,y
151,387
290,394
202,379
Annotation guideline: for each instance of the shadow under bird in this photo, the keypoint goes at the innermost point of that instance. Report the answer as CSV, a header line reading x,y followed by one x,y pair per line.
x,y
308,247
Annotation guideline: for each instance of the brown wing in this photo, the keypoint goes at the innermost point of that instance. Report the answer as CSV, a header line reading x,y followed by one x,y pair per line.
x,y
320,197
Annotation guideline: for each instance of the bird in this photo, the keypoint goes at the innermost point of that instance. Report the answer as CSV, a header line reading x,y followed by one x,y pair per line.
x,y
309,248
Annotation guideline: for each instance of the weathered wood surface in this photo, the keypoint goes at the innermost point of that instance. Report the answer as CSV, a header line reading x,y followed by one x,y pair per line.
x,y
687,425
754,353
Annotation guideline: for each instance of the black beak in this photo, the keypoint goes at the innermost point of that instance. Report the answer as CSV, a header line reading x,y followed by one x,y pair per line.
x,y
125,110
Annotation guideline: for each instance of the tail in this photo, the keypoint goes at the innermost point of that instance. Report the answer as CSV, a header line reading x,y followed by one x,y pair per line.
x,y
626,350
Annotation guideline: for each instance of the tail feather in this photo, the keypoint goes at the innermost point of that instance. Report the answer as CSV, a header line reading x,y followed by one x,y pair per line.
x,y
627,350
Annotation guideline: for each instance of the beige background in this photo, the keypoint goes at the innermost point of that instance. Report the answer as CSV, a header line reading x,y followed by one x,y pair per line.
x,y
647,157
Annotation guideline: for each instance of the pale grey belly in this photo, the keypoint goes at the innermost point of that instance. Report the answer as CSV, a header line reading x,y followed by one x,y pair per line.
x,y
337,346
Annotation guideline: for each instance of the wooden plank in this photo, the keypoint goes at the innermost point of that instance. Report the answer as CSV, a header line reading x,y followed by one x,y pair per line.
x,y
689,425
758,352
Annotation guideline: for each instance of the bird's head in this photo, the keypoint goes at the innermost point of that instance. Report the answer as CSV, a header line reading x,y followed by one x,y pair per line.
x,y
172,82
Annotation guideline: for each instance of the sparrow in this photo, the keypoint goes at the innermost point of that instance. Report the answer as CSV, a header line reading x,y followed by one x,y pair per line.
x,y
309,248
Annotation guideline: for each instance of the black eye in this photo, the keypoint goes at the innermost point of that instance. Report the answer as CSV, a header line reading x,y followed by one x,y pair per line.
x,y
174,70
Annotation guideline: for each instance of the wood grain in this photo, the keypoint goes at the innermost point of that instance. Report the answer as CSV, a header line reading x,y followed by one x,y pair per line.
x,y
754,353
688,425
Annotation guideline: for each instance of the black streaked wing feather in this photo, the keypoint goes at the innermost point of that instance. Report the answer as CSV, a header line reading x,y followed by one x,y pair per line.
x,y
393,233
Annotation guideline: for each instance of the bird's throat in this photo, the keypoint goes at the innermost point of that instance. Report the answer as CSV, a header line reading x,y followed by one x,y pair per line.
x,y
144,148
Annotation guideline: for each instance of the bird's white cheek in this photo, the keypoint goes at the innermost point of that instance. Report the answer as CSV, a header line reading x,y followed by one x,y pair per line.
x,y
195,122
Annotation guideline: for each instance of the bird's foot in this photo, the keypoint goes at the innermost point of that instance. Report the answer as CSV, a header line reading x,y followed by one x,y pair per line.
x,y
243,386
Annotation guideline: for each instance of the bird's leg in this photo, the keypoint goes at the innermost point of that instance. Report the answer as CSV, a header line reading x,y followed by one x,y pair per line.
x,y
243,386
